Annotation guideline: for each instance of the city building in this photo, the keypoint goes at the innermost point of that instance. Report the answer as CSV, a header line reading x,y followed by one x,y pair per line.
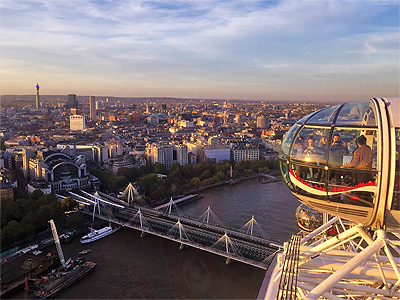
x,y
121,164
167,154
77,123
92,107
57,171
180,154
99,105
71,101
262,122
5,159
6,185
243,151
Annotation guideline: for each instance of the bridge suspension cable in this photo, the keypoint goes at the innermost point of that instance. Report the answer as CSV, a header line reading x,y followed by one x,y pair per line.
x,y
253,228
208,217
234,245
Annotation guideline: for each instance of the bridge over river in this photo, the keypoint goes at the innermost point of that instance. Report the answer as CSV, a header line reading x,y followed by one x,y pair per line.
x,y
239,245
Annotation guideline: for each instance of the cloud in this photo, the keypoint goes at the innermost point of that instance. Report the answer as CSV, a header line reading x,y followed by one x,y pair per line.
x,y
221,40
369,47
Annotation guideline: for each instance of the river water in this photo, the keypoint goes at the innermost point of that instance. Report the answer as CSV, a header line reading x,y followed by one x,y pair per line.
x,y
132,267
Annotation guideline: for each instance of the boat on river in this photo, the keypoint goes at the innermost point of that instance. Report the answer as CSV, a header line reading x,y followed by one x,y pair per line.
x,y
94,234
85,251
54,284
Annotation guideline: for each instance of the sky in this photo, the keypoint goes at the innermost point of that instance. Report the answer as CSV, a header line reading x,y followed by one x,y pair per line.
x,y
226,49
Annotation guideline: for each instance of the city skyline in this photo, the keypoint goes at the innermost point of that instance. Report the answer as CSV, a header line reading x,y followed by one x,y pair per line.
x,y
250,50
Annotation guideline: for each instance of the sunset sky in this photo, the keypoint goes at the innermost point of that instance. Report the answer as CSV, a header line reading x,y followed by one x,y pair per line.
x,y
266,50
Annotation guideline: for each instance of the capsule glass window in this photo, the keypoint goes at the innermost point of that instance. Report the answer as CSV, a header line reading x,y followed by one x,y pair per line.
x,y
357,113
287,140
310,145
344,144
324,116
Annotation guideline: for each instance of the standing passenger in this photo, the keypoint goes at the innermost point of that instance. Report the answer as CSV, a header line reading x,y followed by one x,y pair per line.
x,y
338,150
323,143
362,158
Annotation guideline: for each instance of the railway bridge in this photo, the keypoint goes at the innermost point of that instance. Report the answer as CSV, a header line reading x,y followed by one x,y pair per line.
x,y
247,245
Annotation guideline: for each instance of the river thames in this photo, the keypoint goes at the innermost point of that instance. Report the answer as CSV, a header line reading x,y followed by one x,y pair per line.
x,y
134,267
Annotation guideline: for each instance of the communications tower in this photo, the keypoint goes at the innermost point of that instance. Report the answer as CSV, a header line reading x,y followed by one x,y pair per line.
x,y
37,96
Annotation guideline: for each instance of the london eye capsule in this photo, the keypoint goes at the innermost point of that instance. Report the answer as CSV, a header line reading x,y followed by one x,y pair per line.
x,y
308,219
344,160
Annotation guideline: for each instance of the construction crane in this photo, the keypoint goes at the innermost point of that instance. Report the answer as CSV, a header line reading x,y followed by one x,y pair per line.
x,y
58,245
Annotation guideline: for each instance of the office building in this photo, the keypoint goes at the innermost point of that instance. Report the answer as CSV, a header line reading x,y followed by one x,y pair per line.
x,y
92,106
77,123
99,105
72,102
262,122
180,154
242,151
167,154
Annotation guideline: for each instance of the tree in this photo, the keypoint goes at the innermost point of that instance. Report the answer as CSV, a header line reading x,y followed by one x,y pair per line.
x,y
11,232
75,221
248,172
20,193
9,211
145,182
36,194
204,175
160,168
195,181
187,171
200,168
68,204
160,193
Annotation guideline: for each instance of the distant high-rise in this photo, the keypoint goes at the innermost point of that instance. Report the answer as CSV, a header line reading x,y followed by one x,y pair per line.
x,y
98,105
37,96
92,104
72,102
262,122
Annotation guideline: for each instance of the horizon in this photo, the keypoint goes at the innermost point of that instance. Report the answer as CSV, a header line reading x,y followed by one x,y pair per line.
x,y
242,50
102,97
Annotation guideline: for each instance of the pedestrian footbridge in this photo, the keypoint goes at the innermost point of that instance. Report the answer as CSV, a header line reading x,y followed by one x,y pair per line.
x,y
248,245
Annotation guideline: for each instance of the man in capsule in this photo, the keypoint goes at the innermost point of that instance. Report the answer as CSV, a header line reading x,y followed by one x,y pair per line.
x,y
362,160
337,151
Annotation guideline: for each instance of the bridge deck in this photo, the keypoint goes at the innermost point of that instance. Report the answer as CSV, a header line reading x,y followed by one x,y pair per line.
x,y
226,242
177,201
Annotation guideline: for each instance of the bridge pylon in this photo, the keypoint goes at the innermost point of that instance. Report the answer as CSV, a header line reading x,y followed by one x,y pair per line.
x,y
225,245
254,229
179,232
97,204
173,207
132,196
139,222
208,217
